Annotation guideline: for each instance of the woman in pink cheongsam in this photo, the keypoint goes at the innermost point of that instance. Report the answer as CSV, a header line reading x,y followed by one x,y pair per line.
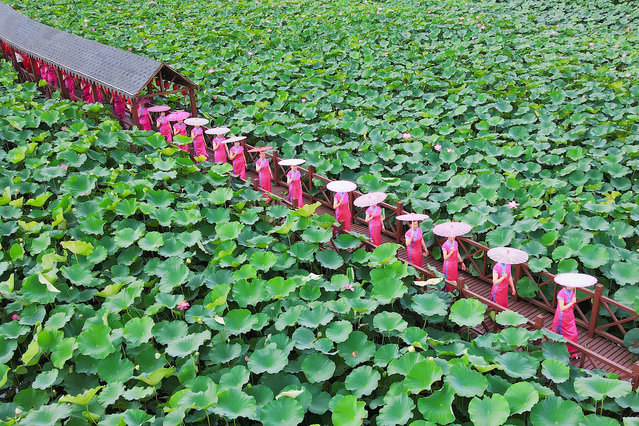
x,y
219,149
119,106
375,223
144,117
450,251
294,182
69,83
179,128
164,127
342,207
414,244
564,321
236,154
263,171
199,145
502,279
87,94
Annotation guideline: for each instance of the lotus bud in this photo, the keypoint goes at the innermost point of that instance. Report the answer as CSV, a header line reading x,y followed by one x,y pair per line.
x,y
157,355
197,353
18,411
137,367
354,354
411,348
188,260
246,358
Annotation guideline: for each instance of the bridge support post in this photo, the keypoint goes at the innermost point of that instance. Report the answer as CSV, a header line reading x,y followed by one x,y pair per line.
x,y
635,376
594,314
539,322
134,114
193,104
62,84
398,232
310,173
276,168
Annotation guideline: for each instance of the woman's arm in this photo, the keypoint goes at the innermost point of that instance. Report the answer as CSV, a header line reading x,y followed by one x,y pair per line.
x,y
512,285
497,279
336,203
447,255
258,166
563,306
425,248
368,218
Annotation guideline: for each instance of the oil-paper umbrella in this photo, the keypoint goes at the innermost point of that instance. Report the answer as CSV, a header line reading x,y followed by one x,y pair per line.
x,y
452,229
341,186
218,131
178,115
159,108
573,279
508,255
235,139
292,162
370,199
196,121
409,217
260,149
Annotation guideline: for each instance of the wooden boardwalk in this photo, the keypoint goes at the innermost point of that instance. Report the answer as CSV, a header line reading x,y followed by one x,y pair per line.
x,y
616,358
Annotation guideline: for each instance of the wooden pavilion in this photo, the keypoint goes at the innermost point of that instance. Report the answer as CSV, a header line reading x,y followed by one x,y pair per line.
x,y
108,70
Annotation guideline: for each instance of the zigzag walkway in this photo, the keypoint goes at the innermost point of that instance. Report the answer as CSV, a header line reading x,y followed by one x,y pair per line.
x,y
596,352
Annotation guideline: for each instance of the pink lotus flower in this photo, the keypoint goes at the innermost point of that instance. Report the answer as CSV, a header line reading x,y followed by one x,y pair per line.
x,y
246,357
250,53
513,204
303,100
211,70
63,128
184,305
472,38
214,96
406,136
483,27
15,317
591,44
349,287
269,30
450,150
64,166
623,55
386,53
438,147
627,75
627,30
553,32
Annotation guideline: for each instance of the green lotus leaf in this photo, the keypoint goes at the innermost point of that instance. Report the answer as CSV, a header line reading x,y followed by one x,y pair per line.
x,y
263,261
79,185
81,399
95,342
228,231
518,364
398,410
362,381
349,411
152,241
555,370
269,359
186,345
422,376
282,412
43,380
510,318
521,397
624,272
384,254
389,321
556,411
356,349
631,340
500,237
339,331
329,259
233,403
114,368
138,331
388,289
597,387
438,406
466,382
594,256
78,247
467,312
429,304
493,410
48,415
318,368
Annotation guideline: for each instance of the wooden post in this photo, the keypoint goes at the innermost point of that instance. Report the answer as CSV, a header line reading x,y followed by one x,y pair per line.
x,y
14,61
276,168
193,104
517,276
134,113
459,285
594,314
310,173
635,375
94,92
398,233
62,84
539,322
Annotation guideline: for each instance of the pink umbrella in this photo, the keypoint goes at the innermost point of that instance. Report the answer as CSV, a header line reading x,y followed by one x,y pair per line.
x,y
341,186
572,279
292,162
260,149
218,131
160,108
508,255
235,139
370,199
195,121
452,229
409,217
178,115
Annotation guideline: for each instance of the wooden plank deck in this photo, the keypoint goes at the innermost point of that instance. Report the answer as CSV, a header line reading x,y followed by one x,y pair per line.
x,y
599,345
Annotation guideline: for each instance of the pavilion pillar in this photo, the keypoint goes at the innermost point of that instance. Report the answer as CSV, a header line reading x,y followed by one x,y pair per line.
x,y
193,104
134,114
62,84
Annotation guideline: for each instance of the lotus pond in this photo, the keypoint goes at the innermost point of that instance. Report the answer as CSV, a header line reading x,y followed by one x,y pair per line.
x,y
139,288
